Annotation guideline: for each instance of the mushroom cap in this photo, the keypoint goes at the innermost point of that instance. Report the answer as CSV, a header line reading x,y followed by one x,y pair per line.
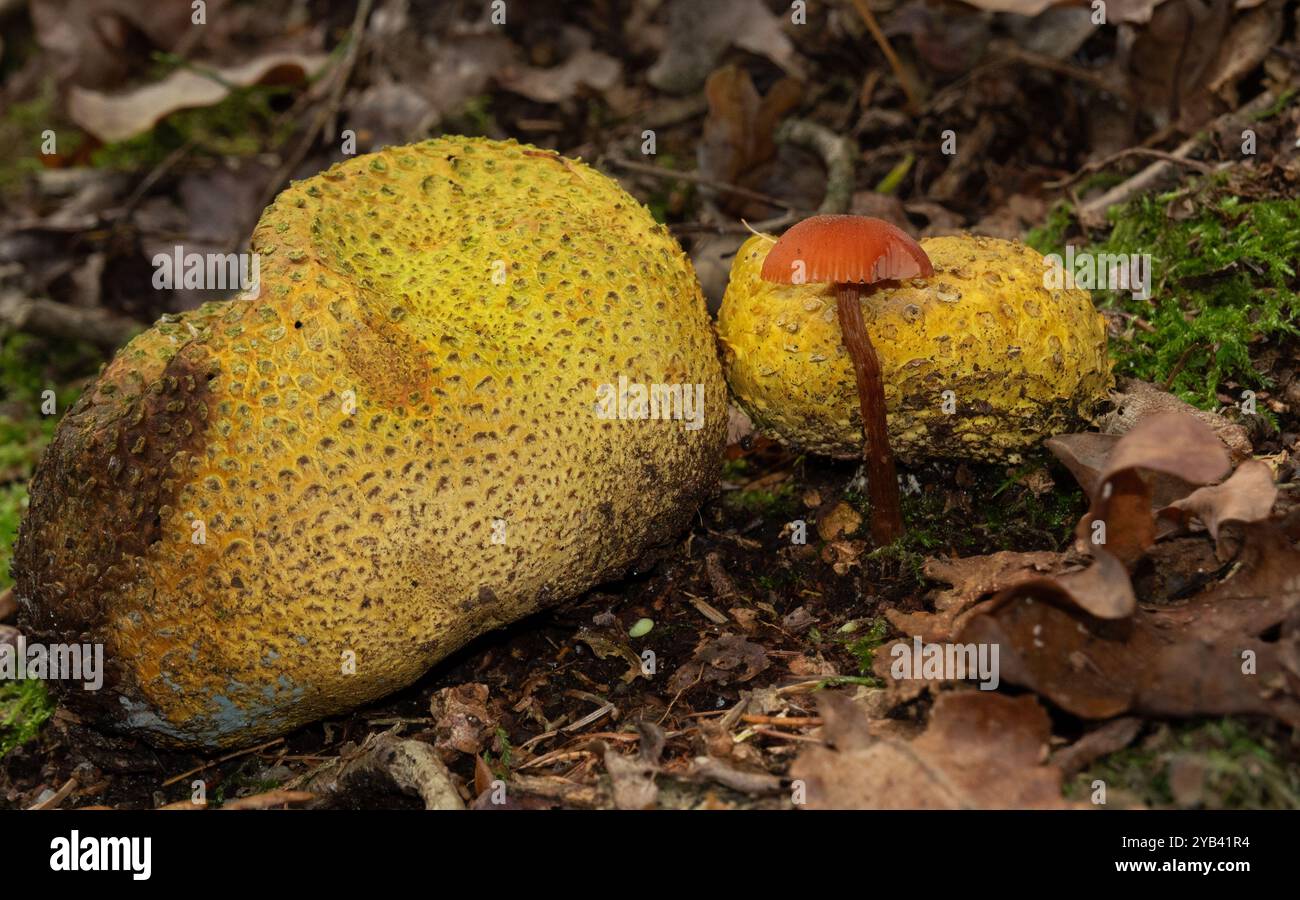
x,y
845,249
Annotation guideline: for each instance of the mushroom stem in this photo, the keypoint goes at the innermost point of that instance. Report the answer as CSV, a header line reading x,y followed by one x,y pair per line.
x,y
886,507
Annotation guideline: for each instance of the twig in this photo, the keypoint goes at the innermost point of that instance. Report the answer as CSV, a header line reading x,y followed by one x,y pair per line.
x,y
836,152
154,176
1180,364
913,106
271,799
696,178
53,801
8,605
786,722
1096,165
59,320
1016,54
341,76
219,760
785,736
1093,213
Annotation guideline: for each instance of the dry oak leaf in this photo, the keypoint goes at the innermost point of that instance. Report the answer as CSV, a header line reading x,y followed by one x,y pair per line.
x,y
584,68
1247,496
463,719
728,659
1203,657
1171,443
981,750
1136,400
700,33
972,579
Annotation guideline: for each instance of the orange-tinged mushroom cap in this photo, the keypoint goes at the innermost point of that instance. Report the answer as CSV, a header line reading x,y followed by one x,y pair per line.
x,y
845,249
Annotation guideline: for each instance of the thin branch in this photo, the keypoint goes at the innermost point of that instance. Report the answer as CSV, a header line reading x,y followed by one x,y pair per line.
x,y
913,105
341,76
49,318
837,154
1107,162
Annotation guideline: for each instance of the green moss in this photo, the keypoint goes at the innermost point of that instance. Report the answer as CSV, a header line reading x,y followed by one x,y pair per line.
x,y
1004,515
1050,236
13,503
243,124
21,127
24,707
29,367
863,646
1223,278
734,469
1282,102
475,118
760,501
1245,766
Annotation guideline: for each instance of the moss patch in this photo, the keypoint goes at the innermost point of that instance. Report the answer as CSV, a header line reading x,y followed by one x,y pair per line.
x,y
24,707
1235,765
1223,278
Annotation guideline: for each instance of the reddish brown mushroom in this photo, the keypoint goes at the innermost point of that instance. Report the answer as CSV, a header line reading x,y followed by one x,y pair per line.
x,y
852,253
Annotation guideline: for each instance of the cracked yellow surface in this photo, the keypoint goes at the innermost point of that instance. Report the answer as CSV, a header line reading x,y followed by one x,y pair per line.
x,y
390,451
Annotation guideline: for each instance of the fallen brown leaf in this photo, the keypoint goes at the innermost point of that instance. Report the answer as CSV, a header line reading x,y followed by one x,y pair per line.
x,y
1171,443
1100,741
728,659
1173,661
841,520
463,720
1136,400
980,751
116,117
583,68
1247,496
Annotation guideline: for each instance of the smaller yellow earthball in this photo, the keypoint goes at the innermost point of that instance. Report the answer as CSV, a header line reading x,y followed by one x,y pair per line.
x,y
981,361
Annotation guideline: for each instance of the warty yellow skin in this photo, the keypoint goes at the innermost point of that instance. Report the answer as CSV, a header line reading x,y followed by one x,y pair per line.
x,y
471,485
1022,361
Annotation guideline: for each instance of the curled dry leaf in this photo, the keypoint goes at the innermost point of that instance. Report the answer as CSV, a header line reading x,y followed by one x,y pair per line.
x,y
1117,11
738,131
1136,400
116,117
1100,741
840,521
699,33
980,751
632,779
463,719
728,659
1247,496
1167,443
583,68
972,579
1205,657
